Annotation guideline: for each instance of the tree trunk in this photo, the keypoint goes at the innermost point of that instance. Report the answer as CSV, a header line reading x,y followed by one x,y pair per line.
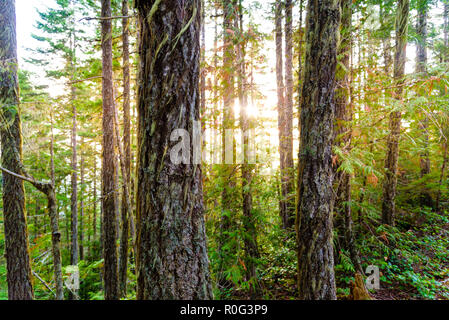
x,y
386,41
81,222
446,30
36,214
74,177
54,221
124,238
228,145
421,70
316,278
172,258
391,161
250,239
283,211
109,194
343,131
18,270
286,127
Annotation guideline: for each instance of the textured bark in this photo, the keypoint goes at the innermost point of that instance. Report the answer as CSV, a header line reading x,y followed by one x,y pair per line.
x,y
36,214
94,235
300,48
126,210
203,72
282,118
18,270
109,194
172,258
343,130
391,160
81,217
421,70
442,174
316,278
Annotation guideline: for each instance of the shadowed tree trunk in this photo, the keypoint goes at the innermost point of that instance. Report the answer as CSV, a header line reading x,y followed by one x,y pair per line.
x,y
109,194
49,190
74,257
282,116
94,235
286,142
386,38
172,258
343,130
124,238
316,278
18,270
81,222
250,239
228,144
421,70
391,160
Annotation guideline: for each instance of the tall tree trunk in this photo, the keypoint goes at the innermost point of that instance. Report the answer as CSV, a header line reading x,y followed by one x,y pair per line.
x,y
250,239
216,138
316,278
386,41
109,194
203,72
343,130
391,160
228,144
94,235
280,108
446,30
286,142
81,222
37,209
421,70
126,211
74,257
18,270
443,169
54,220
172,258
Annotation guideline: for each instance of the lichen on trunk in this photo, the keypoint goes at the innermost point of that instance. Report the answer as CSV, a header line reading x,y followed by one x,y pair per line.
x,y
172,260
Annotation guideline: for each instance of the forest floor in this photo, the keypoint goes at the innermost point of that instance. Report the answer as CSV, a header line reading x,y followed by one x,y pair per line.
x,y
413,258
3,287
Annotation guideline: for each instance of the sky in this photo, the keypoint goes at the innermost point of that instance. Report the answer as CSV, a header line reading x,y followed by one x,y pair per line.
x,y
26,17
26,21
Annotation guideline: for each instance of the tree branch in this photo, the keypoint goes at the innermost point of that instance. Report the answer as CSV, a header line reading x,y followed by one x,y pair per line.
x,y
106,18
43,282
87,79
41,186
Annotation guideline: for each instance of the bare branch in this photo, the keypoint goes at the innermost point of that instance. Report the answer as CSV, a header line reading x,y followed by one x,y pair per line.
x,y
106,18
82,80
43,282
18,176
